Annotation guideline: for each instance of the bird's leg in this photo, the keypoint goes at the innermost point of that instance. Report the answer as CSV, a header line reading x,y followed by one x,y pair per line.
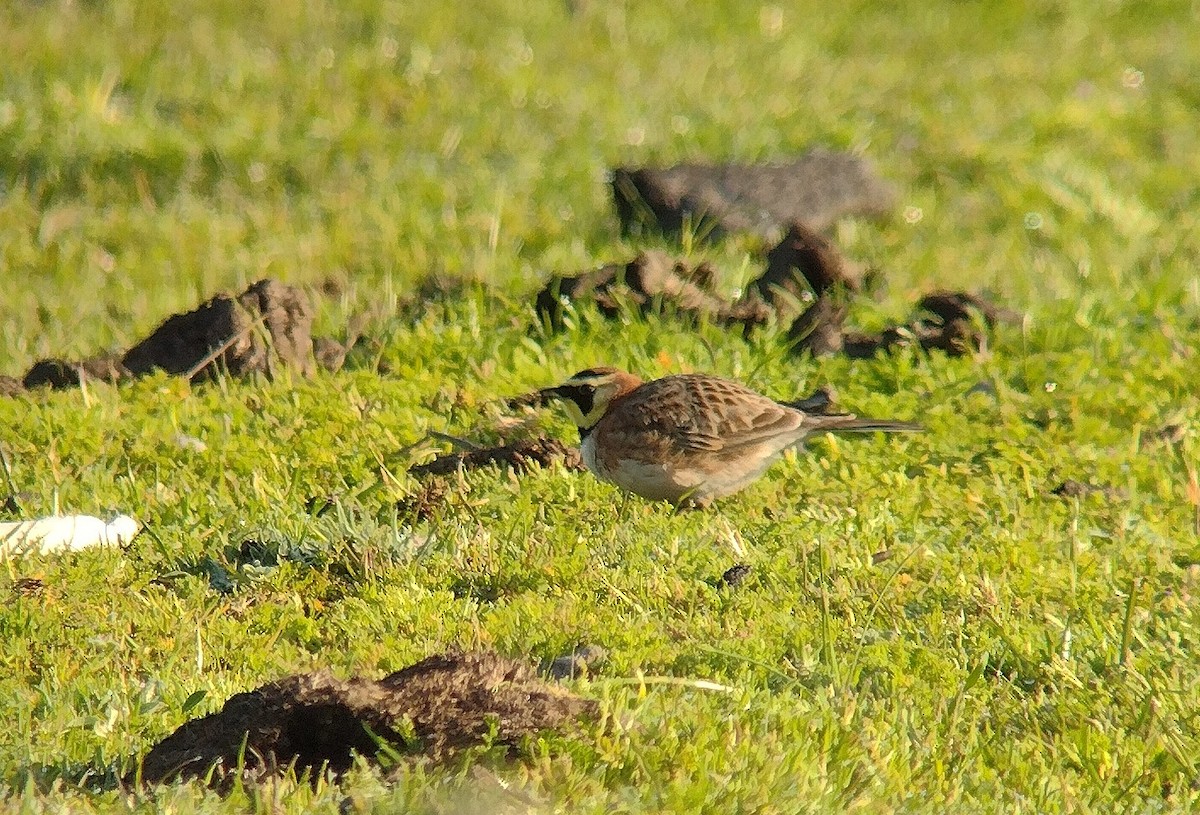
x,y
688,504
622,510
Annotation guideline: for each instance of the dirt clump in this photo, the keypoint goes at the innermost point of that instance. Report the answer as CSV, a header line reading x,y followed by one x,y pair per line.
x,y
437,707
805,260
804,267
819,329
949,306
652,279
266,325
329,354
59,374
734,576
519,456
426,502
28,587
288,316
1080,489
953,322
714,200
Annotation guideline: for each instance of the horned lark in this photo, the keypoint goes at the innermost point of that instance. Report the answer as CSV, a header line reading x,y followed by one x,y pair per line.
x,y
691,438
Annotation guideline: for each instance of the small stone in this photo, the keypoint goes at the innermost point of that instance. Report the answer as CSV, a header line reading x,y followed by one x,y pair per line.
x,y
1078,489
583,661
734,576
185,442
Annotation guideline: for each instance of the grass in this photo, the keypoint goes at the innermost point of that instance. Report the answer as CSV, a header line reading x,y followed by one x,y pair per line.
x,y
1018,651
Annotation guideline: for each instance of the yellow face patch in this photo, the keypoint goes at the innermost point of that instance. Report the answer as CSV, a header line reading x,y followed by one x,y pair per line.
x,y
572,408
586,397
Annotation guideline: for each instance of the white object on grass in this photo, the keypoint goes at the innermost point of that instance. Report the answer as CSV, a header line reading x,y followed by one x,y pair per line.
x,y
64,533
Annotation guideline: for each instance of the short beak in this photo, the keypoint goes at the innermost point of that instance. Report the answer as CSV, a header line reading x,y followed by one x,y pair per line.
x,y
550,394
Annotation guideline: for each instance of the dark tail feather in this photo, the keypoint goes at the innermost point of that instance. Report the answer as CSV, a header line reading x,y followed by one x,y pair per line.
x,y
849,423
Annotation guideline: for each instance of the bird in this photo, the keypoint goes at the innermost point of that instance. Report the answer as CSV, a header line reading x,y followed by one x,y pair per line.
x,y
689,438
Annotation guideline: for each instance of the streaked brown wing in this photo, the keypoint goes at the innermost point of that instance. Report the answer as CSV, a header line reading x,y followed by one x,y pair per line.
x,y
705,414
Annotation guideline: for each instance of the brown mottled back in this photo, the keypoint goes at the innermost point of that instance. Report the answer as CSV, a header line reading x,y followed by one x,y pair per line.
x,y
705,413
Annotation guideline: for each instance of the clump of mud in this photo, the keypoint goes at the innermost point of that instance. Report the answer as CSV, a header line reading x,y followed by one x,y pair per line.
x,y
804,267
260,331
713,200
951,321
519,456
1080,489
60,374
437,707
805,260
650,280
426,501
267,324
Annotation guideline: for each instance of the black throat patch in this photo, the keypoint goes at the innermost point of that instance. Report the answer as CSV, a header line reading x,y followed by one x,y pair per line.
x,y
582,395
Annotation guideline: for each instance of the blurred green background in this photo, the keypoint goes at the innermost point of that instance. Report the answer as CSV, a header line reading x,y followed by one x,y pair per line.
x,y
154,153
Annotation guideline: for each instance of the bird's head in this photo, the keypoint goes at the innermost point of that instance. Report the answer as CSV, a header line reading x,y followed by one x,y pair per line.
x,y
588,394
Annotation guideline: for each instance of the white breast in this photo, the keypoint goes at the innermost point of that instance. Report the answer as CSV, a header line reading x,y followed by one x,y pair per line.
x,y
588,450
647,479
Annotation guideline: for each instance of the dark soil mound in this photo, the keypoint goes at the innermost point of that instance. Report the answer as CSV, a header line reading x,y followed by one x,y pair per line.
x,y
436,707
246,334
267,326
651,280
716,199
60,374
519,456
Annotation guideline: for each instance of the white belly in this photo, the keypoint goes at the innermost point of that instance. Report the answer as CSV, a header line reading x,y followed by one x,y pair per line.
x,y
588,450
649,480
658,482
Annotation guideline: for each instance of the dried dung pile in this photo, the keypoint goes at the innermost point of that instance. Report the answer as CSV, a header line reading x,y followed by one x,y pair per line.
x,y
805,266
437,707
714,200
263,329
518,456
221,335
650,280
949,321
